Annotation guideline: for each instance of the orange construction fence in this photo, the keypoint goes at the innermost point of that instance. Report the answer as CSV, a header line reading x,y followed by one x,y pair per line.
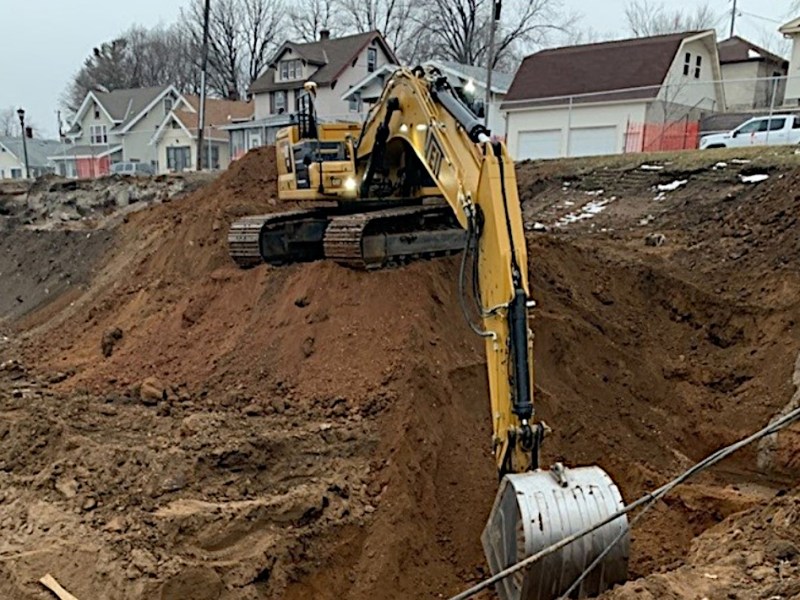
x,y
655,137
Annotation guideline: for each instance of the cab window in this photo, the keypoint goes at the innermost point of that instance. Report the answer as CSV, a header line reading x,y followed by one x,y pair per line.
x,y
777,124
753,126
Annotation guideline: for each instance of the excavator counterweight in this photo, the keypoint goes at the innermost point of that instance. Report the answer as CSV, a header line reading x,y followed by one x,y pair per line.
x,y
422,177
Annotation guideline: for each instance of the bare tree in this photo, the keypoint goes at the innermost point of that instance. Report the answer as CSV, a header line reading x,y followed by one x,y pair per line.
x,y
242,33
137,58
458,29
9,122
308,17
647,18
395,19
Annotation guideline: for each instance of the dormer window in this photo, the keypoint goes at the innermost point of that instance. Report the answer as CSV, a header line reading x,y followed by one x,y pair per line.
x,y
291,69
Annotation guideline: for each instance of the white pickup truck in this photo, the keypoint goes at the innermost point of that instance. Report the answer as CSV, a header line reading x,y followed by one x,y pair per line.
x,y
760,131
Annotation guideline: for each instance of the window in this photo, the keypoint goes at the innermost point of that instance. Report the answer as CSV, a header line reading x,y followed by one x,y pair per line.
x,y
697,64
372,59
16,173
796,124
279,102
753,126
687,63
178,158
355,102
212,155
291,69
777,124
96,111
98,134
168,104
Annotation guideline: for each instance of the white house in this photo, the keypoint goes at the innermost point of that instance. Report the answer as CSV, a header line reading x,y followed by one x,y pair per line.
x,y
334,64
116,126
612,97
791,30
754,77
175,140
12,157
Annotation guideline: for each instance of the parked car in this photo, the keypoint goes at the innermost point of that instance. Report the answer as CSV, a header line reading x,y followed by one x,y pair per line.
x,y
132,168
760,131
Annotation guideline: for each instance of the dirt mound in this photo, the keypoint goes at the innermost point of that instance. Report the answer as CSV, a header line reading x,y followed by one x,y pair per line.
x,y
313,431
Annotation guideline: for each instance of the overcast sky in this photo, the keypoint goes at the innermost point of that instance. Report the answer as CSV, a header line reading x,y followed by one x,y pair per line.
x,y
43,42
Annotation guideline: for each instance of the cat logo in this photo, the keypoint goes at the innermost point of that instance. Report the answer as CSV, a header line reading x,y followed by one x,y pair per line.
x,y
433,153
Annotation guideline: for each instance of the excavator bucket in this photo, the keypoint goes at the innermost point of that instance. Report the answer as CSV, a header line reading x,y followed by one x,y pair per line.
x,y
535,510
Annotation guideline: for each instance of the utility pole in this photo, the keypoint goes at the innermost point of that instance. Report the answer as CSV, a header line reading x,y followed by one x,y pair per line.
x,y
494,17
204,68
733,18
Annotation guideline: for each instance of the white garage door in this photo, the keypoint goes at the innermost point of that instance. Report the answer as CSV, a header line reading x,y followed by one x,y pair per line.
x,y
539,144
591,141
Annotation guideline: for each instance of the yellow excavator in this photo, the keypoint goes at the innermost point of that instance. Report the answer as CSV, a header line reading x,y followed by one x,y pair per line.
x,y
423,177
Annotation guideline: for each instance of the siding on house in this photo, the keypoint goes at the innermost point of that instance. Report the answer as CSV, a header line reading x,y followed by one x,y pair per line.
x,y
136,142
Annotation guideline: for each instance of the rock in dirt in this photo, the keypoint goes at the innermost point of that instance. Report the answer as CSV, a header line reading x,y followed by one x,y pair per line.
x,y
110,339
152,391
67,487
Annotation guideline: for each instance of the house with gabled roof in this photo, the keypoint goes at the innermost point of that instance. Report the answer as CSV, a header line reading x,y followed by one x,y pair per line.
x,y
754,77
114,126
175,140
612,97
334,64
12,157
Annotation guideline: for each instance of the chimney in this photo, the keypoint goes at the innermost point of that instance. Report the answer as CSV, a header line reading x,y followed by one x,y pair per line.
x,y
324,34
29,133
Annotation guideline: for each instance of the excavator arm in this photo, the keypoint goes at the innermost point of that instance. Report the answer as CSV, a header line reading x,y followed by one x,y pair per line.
x,y
420,120
420,134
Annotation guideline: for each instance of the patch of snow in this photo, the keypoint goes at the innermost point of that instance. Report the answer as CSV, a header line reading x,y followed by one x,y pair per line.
x,y
661,196
539,226
569,203
651,168
595,192
587,211
671,187
566,184
740,161
754,178
720,165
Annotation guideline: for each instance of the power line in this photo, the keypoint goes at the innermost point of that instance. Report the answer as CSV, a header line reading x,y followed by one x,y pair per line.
x,y
648,500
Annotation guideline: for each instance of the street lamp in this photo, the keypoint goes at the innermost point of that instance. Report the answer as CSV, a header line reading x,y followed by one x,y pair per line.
x,y
21,114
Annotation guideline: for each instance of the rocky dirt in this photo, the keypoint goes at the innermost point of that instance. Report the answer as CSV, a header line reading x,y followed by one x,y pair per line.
x,y
173,427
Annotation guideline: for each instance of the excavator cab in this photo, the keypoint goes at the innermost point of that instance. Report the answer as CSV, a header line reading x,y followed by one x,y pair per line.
x,y
319,167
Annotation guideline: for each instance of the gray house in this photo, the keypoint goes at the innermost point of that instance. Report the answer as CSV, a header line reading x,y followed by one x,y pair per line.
x,y
12,157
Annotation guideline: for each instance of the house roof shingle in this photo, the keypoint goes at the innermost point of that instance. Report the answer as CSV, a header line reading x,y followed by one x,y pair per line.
x,y
630,65
331,55
218,113
737,49
39,151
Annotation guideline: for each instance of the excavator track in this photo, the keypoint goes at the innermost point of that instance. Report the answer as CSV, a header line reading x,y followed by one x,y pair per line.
x,y
371,240
280,238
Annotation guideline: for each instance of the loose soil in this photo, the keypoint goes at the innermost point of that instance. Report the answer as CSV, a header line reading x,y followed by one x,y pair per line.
x,y
182,429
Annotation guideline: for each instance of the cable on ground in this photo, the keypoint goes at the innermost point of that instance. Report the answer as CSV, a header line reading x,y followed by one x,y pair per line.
x,y
647,501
